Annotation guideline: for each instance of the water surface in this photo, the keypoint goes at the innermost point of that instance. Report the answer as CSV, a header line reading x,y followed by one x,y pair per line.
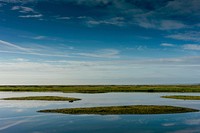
x,y
21,116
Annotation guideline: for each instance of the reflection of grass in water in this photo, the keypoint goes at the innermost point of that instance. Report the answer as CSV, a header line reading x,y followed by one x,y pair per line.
x,y
137,109
45,98
183,97
105,88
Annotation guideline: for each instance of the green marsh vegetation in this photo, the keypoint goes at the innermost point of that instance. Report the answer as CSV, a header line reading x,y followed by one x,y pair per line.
x,y
45,98
182,97
136,109
104,88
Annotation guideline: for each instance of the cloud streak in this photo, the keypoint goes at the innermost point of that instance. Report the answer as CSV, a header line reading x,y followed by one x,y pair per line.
x,y
169,70
167,45
191,47
117,21
104,53
187,36
4,43
15,49
31,16
159,15
160,24
23,9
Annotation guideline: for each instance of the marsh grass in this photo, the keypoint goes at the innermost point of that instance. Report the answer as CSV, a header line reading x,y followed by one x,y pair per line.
x,y
182,97
104,88
44,98
137,109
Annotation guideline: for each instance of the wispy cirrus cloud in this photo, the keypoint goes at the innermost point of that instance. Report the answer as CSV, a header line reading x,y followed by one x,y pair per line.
x,y
16,49
92,2
63,18
194,47
151,71
23,9
39,37
117,21
17,1
31,16
159,24
40,50
163,15
4,43
167,45
160,15
187,36
104,53
191,47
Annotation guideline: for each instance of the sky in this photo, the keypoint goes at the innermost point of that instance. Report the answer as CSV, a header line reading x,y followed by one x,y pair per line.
x,y
99,42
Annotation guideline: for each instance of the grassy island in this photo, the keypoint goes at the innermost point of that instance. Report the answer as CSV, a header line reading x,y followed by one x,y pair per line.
x,y
104,88
182,97
137,109
45,98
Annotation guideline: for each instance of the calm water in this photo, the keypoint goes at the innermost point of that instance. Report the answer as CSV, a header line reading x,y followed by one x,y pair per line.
x,y
21,116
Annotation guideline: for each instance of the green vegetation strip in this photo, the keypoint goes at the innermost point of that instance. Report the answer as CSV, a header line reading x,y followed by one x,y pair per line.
x,y
183,97
45,98
105,88
137,109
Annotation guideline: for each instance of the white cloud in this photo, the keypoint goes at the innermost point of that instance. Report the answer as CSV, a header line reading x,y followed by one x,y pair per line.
x,y
146,71
15,8
31,16
171,24
191,46
167,45
82,17
4,43
159,24
26,9
155,71
183,7
36,53
188,36
23,9
104,53
21,60
39,37
17,1
93,2
8,47
63,18
117,21
139,48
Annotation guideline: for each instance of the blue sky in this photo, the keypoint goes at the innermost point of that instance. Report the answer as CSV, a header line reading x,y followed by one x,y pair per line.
x,y
99,42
